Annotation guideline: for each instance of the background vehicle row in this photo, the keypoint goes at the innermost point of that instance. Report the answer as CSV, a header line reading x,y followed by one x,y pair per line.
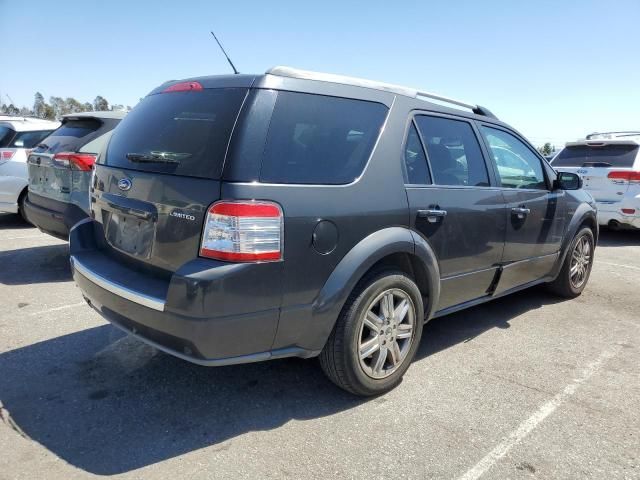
x,y
60,168
18,135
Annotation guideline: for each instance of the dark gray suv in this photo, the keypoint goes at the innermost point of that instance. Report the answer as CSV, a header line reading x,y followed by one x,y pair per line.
x,y
243,218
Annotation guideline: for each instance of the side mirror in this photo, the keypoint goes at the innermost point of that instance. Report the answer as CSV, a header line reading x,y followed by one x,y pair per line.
x,y
568,181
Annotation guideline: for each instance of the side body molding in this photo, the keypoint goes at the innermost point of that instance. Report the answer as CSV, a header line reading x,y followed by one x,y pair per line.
x,y
309,326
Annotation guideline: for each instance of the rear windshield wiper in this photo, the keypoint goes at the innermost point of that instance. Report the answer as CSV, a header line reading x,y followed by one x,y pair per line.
x,y
158,157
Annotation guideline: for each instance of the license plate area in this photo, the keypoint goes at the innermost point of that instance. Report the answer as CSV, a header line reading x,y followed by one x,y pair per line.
x,y
130,234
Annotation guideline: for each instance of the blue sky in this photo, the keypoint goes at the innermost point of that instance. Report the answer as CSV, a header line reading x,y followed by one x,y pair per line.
x,y
553,70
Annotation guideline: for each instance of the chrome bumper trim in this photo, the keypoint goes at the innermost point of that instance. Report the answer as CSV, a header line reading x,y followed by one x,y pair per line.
x,y
120,290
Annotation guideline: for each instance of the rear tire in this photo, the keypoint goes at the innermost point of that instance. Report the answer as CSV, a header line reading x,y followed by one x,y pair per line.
x,y
21,201
376,335
576,268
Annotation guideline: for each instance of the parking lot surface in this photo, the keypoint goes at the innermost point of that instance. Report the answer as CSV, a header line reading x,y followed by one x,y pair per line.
x,y
529,386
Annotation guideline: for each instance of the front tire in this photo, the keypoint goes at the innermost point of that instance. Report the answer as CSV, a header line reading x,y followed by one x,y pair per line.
x,y
576,268
376,336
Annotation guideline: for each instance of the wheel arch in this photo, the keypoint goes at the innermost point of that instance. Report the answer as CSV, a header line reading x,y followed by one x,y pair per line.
x,y
584,216
395,247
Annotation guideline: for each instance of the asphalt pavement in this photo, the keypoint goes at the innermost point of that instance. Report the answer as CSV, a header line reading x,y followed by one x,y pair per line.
x,y
529,386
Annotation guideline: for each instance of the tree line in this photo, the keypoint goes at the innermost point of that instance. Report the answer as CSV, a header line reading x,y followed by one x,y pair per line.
x,y
547,149
59,106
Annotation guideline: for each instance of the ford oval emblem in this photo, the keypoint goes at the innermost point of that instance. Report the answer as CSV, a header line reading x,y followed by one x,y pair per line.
x,y
124,184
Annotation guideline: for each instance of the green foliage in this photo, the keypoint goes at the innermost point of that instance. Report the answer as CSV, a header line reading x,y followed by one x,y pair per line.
x,y
546,149
9,109
100,104
39,106
57,107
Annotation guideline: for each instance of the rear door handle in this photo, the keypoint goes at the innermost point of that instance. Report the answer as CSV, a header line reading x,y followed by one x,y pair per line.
x,y
520,212
432,215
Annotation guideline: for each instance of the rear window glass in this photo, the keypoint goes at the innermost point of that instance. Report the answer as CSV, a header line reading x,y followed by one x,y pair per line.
x,y
597,156
69,137
315,139
182,133
5,135
28,139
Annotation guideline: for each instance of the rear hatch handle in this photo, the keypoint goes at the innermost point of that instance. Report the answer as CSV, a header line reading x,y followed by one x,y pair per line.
x,y
132,207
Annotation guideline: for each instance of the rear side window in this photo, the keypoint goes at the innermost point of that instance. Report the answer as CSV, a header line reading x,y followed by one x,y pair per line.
x,y
597,156
453,152
69,137
315,139
28,139
6,134
182,133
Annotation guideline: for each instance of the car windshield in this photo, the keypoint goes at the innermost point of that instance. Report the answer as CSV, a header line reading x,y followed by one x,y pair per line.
x,y
602,155
69,137
183,133
28,139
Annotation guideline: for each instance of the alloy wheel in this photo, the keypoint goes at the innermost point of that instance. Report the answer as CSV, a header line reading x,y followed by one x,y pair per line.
x,y
580,262
386,333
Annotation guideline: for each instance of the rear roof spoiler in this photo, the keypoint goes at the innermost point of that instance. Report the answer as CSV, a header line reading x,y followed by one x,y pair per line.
x,y
601,142
612,135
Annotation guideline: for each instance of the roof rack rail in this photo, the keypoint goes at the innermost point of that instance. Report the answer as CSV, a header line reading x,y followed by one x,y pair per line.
x,y
361,82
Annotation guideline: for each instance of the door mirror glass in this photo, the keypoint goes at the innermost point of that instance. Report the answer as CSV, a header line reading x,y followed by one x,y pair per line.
x,y
568,181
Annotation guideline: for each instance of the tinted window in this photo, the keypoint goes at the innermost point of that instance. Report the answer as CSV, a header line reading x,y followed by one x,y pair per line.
x,y
415,161
183,133
28,139
6,134
517,165
603,155
69,137
319,139
97,144
453,152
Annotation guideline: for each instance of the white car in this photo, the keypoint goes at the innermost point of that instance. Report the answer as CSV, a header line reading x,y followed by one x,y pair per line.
x,y
609,164
18,135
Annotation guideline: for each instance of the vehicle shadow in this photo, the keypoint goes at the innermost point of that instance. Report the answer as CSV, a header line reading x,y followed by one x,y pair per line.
x,y
44,264
108,404
619,238
13,221
462,327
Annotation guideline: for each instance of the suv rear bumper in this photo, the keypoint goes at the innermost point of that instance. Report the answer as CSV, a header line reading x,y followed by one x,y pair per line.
x,y
57,219
619,220
610,214
10,190
171,314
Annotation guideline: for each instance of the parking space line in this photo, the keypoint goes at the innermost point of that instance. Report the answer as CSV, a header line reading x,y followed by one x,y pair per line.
x,y
55,309
534,420
24,237
619,265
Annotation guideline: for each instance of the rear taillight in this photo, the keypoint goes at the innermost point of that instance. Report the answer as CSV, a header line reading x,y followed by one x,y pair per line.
x,y
7,154
183,87
243,231
79,161
625,176
628,211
